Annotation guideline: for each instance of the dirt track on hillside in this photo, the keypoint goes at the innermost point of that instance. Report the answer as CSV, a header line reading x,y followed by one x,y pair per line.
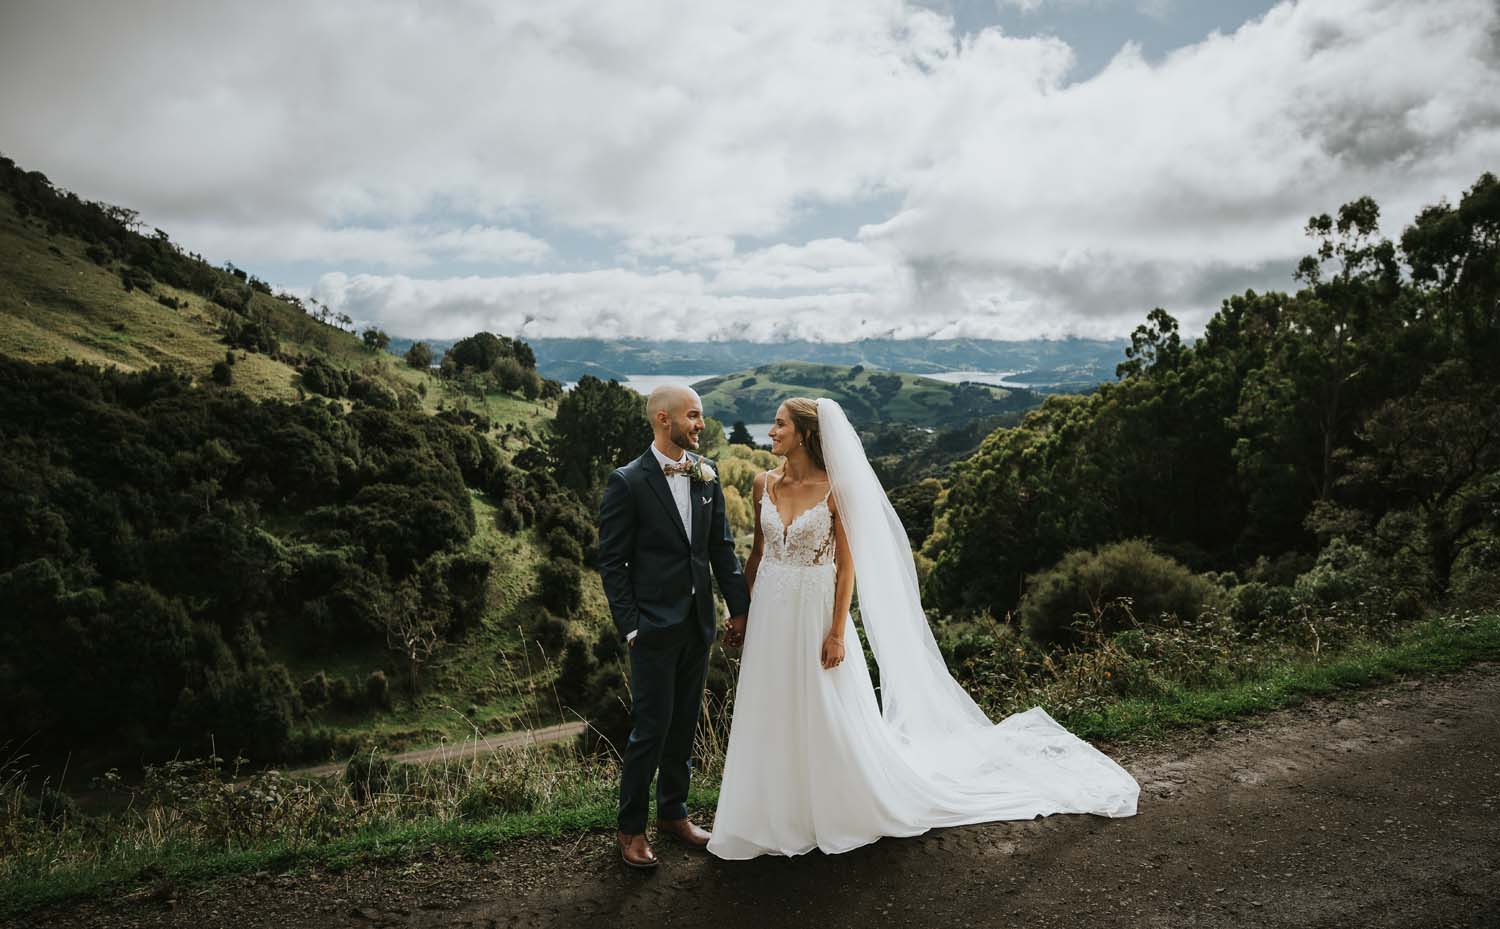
x,y
483,745
1377,809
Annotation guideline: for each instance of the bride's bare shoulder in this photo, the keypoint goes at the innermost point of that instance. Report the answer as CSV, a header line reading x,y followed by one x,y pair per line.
x,y
758,486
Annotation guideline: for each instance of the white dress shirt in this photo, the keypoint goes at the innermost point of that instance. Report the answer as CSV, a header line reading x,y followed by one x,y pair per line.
x,y
682,494
681,487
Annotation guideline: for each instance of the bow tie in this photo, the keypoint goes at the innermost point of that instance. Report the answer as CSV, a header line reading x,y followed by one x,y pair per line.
x,y
682,467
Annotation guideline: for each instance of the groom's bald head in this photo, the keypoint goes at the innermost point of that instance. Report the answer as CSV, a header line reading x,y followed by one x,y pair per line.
x,y
669,399
676,415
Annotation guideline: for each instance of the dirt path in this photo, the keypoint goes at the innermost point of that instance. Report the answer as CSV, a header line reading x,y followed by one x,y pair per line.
x,y
484,745
1381,809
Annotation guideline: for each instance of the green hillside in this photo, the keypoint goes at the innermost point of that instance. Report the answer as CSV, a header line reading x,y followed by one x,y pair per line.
x,y
868,397
249,473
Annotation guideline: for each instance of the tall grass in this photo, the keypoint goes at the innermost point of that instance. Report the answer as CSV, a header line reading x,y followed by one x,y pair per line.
x,y
199,818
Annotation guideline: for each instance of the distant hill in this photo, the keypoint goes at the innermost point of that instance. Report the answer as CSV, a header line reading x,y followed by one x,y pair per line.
x,y
1053,365
869,397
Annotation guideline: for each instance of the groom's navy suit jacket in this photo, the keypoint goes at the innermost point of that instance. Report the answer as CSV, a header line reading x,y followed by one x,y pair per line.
x,y
657,582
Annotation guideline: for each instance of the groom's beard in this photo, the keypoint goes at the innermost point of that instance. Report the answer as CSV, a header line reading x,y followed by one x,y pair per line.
x,y
682,438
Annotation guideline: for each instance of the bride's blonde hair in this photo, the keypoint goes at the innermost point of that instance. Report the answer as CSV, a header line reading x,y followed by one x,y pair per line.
x,y
804,414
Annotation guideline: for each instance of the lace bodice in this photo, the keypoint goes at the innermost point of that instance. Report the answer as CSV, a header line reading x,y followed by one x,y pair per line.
x,y
808,541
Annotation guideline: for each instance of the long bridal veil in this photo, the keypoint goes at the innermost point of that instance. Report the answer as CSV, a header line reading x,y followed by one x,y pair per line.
x,y
993,770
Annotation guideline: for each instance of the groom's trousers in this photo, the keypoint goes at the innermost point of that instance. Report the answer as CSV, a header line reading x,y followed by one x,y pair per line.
x,y
666,693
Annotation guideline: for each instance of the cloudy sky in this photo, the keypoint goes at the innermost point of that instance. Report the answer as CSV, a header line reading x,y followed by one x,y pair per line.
x,y
827,169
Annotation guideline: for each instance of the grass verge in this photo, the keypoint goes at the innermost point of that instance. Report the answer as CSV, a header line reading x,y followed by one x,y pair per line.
x,y
1436,646
1432,647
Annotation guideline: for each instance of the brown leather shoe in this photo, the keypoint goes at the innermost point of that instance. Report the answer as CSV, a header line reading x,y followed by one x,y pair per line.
x,y
636,851
684,831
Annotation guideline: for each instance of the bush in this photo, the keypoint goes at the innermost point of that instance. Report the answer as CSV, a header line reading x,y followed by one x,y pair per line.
x,y
369,773
562,586
577,667
419,356
1343,572
316,690
562,511
1086,582
550,630
249,712
562,545
341,694
223,374
320,377
378,690
1256,601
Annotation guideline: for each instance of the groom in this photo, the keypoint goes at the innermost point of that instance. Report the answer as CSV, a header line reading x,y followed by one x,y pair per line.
x,y
661,525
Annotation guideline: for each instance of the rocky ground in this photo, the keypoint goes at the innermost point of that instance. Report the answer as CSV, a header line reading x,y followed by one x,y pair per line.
x,y
1378,809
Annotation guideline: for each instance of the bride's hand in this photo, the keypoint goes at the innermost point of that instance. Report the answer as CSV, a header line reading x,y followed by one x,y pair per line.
x,y
833,651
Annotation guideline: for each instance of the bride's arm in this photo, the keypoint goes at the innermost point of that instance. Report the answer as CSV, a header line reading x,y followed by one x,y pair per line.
x,y
753,562
843,591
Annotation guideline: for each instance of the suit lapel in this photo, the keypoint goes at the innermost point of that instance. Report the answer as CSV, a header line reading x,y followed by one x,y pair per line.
x,y
658,483
697,507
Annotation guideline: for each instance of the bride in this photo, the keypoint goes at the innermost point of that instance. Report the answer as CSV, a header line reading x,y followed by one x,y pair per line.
x,y
814,761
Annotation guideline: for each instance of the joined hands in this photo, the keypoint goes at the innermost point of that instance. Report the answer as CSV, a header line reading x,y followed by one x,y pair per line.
x,y
734,631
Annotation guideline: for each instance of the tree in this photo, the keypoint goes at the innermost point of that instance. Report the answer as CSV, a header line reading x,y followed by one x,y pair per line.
x,y
1454,255
419,356
376,340
600,426
740,434
711,440
413,631
1430,480
1154,344
481,351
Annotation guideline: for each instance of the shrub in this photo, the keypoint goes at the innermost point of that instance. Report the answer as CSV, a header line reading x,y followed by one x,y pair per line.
x,y
250,335
562,545
341,693
562,586
509,790
369,773
1343,572
373,393
562,511
576,669
223,374
419,356
1256,601
551,630
250,712
320,377
508,517
1089,582
316,690
378,690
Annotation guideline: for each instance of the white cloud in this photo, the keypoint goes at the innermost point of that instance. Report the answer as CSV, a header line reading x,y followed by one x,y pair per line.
x,y
494,135
402,247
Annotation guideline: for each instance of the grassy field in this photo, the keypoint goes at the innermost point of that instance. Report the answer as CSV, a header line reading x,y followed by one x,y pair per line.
x,y
867,396
552,792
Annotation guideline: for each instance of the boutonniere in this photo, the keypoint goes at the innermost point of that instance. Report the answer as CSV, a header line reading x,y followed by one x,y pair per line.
x,y
701,470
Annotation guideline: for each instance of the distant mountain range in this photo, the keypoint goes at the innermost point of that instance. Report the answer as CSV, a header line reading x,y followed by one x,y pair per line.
x,y
868,396
1053,365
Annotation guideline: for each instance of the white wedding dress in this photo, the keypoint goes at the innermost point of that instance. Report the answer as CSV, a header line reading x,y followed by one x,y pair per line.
x,y
814,761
